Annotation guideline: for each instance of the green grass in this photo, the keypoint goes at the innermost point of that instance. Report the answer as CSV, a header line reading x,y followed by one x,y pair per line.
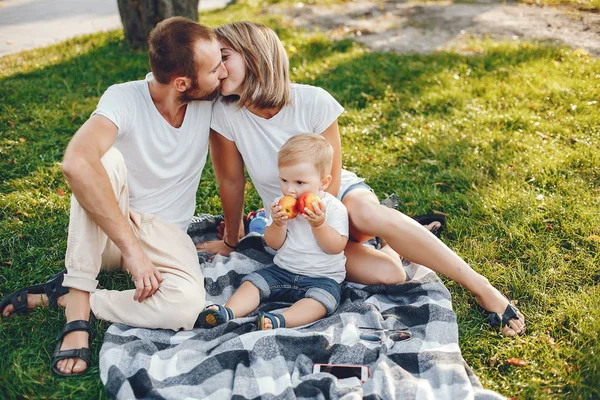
x,y
505,141
588,5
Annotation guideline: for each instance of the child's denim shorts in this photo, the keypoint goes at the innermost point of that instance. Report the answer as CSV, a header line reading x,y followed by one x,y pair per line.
x,y
275,283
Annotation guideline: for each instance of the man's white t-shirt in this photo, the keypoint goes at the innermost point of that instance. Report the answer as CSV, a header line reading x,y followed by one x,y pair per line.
x,y
258,140
301,253
164,163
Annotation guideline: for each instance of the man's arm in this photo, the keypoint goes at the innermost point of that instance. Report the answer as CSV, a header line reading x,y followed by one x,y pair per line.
x,y
92,188
229,171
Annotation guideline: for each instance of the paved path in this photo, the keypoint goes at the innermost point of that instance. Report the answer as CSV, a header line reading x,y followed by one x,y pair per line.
x,y
26,24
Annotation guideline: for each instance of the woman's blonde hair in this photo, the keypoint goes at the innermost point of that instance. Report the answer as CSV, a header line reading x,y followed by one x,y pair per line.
x,y
267,82
307,147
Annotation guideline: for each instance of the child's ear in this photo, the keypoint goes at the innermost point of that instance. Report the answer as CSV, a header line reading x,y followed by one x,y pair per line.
x,y
325,182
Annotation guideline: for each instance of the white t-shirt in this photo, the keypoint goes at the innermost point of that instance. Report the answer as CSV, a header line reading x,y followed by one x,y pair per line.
x,y
164,163
301,254
258,140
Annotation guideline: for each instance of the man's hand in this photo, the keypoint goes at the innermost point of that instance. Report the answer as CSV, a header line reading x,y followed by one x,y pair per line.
x,y
214,247
317,218
278,215
146,277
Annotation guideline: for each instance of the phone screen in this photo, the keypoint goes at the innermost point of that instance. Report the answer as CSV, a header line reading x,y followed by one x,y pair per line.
x,y
342,372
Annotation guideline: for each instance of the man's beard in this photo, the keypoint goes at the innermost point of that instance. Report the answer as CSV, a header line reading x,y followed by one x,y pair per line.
x,y
194,93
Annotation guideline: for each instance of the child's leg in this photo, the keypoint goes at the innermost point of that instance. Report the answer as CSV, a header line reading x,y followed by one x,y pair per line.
x,y
411,240
245,300
302,312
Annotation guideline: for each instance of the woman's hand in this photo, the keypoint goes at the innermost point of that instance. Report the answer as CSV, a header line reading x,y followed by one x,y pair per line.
x,y
214,247
222,231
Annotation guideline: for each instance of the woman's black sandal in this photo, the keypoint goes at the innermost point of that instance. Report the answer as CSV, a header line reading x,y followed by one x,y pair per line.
x,y
83,353
53,289
427,219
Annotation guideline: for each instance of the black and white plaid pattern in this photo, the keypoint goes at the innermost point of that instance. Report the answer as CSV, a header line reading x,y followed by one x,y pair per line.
x,y
235,359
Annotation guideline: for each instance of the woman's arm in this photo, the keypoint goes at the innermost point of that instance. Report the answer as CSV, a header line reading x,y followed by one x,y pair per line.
x,y
229,171
332,134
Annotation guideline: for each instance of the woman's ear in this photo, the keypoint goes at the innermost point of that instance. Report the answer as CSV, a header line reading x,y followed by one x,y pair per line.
x,y
325,182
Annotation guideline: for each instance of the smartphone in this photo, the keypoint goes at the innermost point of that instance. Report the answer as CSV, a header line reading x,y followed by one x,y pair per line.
x,y
342,371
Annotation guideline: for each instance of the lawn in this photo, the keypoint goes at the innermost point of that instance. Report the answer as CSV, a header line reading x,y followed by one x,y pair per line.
x,y
502,137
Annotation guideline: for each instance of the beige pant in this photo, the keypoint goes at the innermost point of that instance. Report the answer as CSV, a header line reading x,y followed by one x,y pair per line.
x,y
181,296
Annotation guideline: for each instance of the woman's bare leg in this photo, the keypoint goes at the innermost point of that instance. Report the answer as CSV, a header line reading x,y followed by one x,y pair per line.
x,y
389,268
412,241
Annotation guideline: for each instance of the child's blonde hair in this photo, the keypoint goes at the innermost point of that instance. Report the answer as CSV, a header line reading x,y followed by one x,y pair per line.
x,y
307,147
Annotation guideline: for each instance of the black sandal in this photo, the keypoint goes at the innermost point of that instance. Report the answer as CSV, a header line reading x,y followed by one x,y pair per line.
x,y
427,219
498,321
53,289
83,353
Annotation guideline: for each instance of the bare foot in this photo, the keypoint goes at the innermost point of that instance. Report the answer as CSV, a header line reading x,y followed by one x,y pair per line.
x,y
73,340
492,300
34,301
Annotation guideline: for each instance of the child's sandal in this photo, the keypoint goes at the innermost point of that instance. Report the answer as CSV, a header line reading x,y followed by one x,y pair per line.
x,y
277,320
211,317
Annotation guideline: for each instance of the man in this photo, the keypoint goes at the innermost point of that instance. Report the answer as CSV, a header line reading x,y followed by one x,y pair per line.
x,y
134,168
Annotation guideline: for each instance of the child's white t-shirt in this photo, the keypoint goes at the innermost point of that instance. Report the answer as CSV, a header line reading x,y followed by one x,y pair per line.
x,y
258,140
164,163
301,253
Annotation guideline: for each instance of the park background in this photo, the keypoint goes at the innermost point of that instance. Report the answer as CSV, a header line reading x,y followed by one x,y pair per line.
x,y
499,134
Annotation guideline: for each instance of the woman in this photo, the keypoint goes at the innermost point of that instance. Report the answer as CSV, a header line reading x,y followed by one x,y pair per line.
x,y
258,111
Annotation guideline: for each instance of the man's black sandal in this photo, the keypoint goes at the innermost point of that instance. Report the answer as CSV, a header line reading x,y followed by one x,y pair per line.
x,y
53,289
83,353
427,219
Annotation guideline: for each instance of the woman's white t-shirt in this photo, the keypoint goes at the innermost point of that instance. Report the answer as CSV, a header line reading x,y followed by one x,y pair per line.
x,y
164,163
312,110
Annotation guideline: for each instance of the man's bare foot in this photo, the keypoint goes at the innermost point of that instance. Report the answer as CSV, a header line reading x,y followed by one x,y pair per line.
x,y
491,300
34,301
73,340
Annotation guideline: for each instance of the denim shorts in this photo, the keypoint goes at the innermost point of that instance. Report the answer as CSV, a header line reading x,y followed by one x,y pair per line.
x,y
275,283
359,185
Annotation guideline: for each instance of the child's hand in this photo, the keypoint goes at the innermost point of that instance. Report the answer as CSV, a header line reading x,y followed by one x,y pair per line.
x,y
278,215
317,218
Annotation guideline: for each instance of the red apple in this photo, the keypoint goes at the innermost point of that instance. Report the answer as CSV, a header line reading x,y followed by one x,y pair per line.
x,y
288,204
305,201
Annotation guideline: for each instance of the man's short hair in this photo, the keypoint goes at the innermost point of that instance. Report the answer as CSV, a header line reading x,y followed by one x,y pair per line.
x,y
307,147
171,48
267,82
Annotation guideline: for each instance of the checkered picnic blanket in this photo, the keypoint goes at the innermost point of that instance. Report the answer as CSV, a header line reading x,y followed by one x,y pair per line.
x,y
236,360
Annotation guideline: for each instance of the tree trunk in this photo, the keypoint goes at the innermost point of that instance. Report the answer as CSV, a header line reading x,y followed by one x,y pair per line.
x,y
140,16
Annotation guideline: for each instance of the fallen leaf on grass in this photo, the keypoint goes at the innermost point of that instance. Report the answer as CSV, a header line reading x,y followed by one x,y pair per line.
x,y
594,238
60,192
517,362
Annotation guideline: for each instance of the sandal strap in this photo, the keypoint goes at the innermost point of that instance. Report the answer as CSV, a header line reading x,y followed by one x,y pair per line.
x,y
83,353
277,320
78,325
55,289
19,300
497,320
